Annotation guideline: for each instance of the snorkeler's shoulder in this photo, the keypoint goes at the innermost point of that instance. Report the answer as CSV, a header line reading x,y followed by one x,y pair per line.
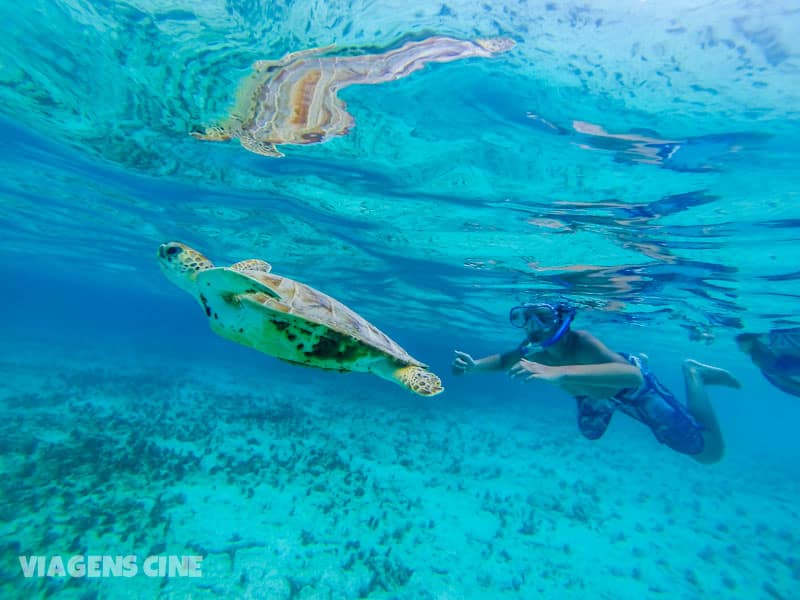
x,y
590,347
584,338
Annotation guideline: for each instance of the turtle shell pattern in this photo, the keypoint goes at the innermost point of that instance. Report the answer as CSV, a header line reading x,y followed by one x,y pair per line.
x,y
324,332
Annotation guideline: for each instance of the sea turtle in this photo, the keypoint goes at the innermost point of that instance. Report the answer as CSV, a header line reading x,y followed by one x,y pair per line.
x,y
248,304
777,354
294,100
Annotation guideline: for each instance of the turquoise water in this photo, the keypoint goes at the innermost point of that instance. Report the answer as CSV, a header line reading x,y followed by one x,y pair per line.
x,y
638,159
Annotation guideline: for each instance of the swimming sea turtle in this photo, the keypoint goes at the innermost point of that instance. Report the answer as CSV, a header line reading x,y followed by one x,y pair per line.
x,y
777,354
248,304
294,100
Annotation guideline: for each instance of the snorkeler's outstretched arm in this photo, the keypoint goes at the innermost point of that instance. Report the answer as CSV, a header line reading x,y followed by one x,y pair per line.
x,y
464,363
591,365
611,375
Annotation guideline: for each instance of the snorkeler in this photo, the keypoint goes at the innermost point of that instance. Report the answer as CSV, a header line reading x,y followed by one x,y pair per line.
x,y
603,381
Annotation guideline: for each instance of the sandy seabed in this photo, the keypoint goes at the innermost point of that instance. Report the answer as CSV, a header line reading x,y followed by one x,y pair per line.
x,y
344,488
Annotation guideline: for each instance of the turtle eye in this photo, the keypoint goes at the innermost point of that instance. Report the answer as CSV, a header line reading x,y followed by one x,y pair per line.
x,y
173,250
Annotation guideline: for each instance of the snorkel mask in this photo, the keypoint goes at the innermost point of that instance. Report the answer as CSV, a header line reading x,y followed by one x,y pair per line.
x,y
540,319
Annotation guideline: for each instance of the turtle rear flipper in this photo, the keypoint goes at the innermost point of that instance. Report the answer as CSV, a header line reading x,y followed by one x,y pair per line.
x,y
252,264
232,282
215,133
419,380
268,65
258,147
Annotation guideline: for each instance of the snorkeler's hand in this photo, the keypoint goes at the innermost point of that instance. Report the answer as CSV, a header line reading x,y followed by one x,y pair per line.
x,y
529,370
462,363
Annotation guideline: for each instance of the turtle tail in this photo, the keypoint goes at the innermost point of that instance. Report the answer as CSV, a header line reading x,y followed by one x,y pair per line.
x,y
419,380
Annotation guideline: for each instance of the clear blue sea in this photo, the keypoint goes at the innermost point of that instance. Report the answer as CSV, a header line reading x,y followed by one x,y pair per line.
x,y
637,159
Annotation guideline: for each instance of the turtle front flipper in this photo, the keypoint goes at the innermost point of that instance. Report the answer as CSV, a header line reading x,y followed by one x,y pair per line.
x,y
232,283
419,380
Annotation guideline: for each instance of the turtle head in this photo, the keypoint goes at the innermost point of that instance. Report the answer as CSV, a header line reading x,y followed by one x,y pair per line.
x,y
747,342
181,264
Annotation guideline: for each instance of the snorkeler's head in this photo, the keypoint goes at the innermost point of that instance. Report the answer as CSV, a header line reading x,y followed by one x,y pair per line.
x,y
544,323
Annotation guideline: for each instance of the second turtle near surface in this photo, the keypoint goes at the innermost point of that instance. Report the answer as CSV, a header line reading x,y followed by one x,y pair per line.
x,y
248,304
777,354
295,100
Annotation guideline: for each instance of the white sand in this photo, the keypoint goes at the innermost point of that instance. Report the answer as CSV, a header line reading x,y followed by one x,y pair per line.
x,y
346,487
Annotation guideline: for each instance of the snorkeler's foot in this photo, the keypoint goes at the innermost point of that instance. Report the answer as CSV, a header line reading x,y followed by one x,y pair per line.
x,y
711,375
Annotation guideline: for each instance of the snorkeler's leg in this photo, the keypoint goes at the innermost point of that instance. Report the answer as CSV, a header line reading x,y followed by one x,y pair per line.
x,y
696,376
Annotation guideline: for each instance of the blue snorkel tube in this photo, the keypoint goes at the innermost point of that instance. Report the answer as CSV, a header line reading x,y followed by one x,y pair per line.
x,y
568,314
